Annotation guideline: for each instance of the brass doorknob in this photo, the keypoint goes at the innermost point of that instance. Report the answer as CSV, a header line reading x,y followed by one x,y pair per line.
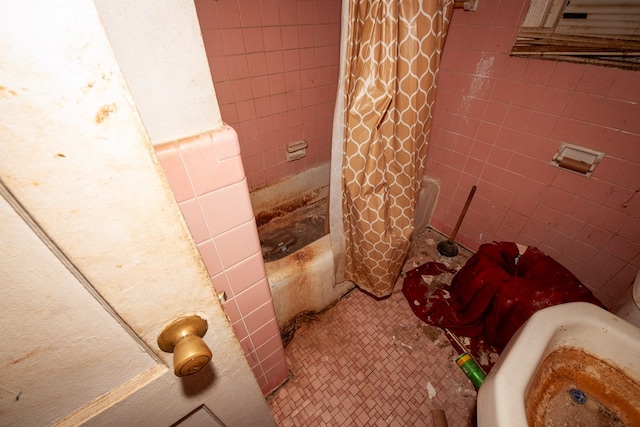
x,y
183,338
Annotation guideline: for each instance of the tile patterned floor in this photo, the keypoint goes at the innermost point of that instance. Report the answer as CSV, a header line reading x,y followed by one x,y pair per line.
x,y
368,362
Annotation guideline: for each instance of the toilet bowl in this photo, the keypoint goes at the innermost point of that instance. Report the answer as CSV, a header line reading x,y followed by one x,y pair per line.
x,y
630,309
558,330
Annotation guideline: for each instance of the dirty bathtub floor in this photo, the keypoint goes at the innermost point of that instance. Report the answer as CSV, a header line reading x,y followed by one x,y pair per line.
x,y
366,362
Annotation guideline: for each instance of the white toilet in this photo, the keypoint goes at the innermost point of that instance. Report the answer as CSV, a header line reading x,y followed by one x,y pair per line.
x,y
630,309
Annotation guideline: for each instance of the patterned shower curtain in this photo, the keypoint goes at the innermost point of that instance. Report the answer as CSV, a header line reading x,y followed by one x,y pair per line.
x,y
391,55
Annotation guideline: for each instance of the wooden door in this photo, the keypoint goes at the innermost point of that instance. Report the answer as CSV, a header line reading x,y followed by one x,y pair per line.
x,y
95,258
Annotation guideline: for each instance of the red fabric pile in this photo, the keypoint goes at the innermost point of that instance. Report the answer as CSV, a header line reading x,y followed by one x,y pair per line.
x,y
495,292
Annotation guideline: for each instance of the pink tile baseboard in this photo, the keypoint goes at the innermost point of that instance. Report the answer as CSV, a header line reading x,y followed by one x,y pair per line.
x,y
207,177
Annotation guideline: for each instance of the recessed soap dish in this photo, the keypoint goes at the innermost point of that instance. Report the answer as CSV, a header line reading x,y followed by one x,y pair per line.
x,y
577,159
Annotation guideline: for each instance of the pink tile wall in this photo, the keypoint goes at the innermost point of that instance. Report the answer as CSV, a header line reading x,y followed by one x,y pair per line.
x,y
498,121
207,178
275,70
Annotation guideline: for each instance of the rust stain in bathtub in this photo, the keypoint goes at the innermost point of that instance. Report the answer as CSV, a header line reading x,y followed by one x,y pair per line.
x,y
303,256
283,209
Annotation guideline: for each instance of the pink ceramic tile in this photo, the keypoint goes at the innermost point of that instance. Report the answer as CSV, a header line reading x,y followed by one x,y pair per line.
x,y
276,376
514,220
241,89
545,214
477,38
226,143
211,257
623,247
597,80
294,101
495,112
229,14
504,91
232,41
265,125
457,35
617,114
272,38
289,36
541,123
253,297
259,317
607,264
222,174
229,113
260,86
622,172
246,274
246,111
269,12
513,69
253,40
273,360
582,106
485,16
566,75
194,218
279,103
291,60
269,346
213,42
517,117
321,38
257,66
171,162
288,12
553,100
304,11
509,13
275,62
277,84
527,95
207,13
499,157
227,207
626,87
241,332
218,67
263,107
199,155
595,236
538,72
254,163
231,309
257,179
237,66
305,36
250,16
238,243
224,93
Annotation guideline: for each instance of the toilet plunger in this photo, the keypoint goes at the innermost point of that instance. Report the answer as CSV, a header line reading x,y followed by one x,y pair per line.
x,y
447,247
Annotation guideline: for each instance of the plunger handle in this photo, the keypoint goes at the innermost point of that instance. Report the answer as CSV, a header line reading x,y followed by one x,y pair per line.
x,y
463,213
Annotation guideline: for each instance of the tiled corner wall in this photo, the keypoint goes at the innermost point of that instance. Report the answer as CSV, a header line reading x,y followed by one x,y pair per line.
x,y
497,123
275,70
208,181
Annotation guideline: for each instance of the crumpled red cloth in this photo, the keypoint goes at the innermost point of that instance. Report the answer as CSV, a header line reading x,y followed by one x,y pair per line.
x,y
494,293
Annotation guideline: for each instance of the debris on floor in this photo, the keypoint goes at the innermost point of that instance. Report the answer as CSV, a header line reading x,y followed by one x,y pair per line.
x,y
370,362
484,303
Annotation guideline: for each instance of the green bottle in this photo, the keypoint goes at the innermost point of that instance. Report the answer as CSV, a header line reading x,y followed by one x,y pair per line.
x,y
471,368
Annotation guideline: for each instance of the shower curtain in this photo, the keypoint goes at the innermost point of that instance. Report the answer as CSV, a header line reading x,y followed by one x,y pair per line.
x,y
390,55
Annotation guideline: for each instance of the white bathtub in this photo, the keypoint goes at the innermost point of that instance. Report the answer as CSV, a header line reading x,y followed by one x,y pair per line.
x,y
302,281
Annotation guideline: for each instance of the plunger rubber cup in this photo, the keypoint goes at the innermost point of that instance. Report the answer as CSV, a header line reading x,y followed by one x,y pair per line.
x,y
447,248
